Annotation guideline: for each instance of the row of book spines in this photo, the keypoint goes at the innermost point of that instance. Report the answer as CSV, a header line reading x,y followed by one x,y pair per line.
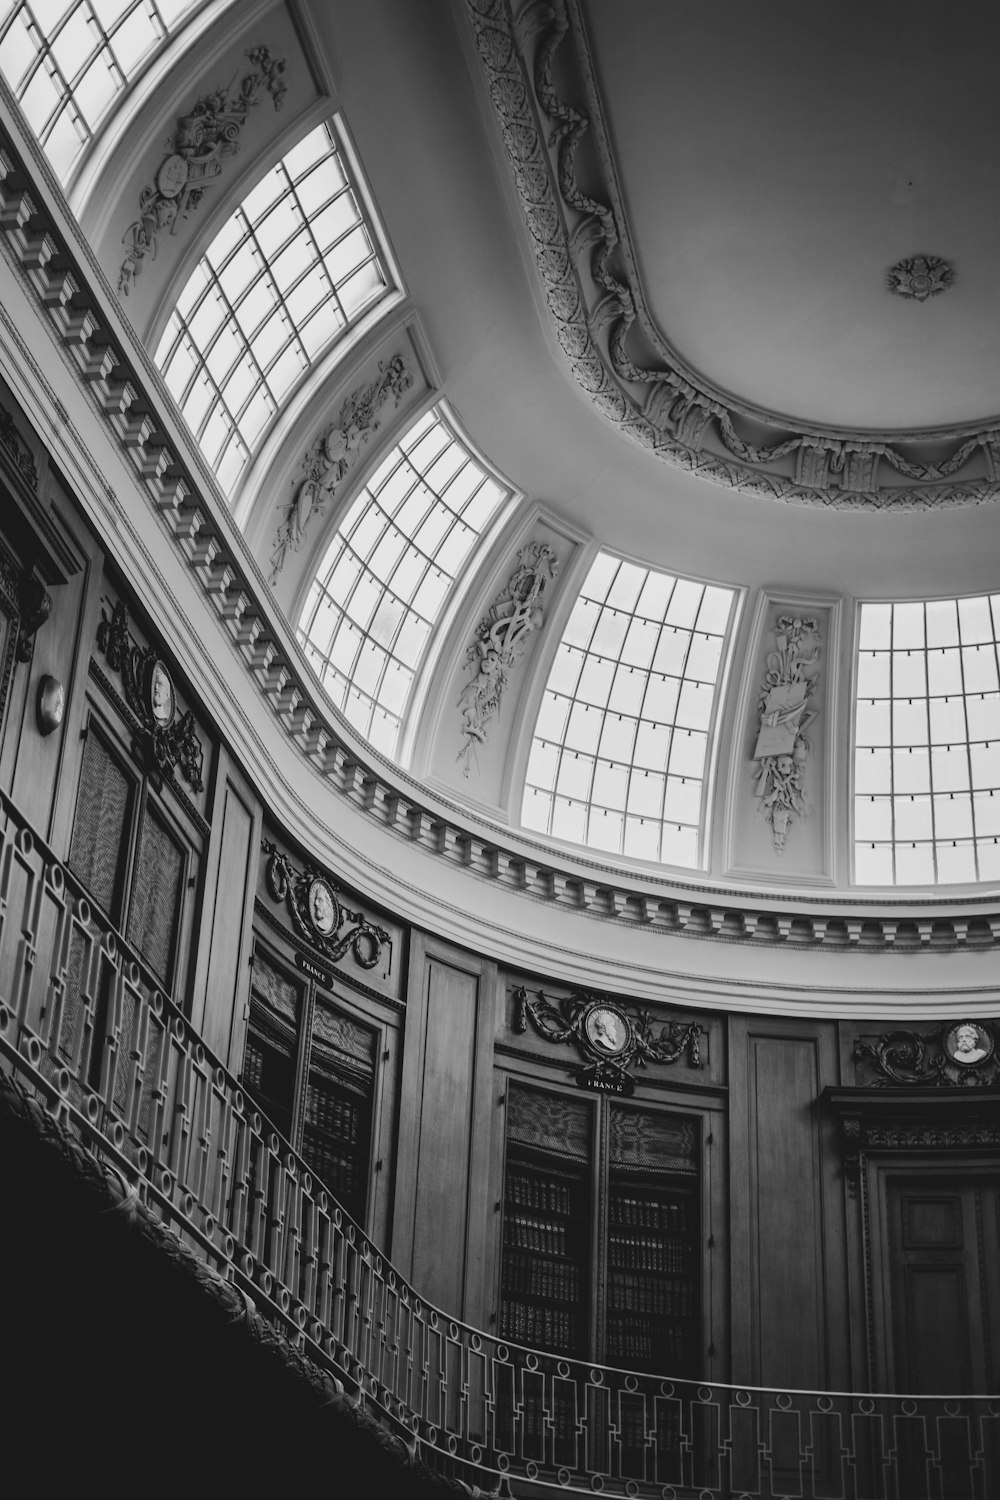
x,y
525,1233
659,1299
535,1192
525,1276
649,1213
643,1254
666,1345
546,1327
333,1116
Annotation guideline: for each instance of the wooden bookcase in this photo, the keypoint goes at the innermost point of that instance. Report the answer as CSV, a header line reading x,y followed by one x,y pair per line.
x,y
601,1232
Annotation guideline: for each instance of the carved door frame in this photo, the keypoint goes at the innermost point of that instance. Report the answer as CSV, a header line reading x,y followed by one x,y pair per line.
x,y
899,1131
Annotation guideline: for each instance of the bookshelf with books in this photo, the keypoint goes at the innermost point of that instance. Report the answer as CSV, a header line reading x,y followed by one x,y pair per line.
x,y
546,1232
653,1313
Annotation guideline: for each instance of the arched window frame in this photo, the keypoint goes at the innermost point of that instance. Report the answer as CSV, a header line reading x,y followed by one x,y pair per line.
x,y
456,595
520,782
182,24
897,856
295,402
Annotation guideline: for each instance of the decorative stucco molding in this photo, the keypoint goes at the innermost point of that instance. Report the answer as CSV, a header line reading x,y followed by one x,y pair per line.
x,y
962,1054
588,271
784,715
163,741
203,138
318,914
59,271
501,641
610,1036
920,277
334,454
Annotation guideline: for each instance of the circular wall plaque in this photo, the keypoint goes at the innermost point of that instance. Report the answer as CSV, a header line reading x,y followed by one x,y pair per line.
x,y
160,700
606,1030
51,704
968,1043
324,913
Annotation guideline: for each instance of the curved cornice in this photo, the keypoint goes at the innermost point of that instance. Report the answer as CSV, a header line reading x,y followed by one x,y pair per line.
x,y
614,349
58,271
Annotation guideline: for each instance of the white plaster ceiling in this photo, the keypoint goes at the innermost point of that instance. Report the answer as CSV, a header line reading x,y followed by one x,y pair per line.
x,y
415,97
775,161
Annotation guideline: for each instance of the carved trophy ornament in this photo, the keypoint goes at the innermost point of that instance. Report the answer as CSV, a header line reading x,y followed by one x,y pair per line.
x,y
784,715
961,1054
334,454
201,142
318,915
501,641
611,1037
163,741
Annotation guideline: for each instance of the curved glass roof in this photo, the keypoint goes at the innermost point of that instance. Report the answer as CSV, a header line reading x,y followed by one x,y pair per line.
x,y
389,571
620,751
68,60
927,742
287,273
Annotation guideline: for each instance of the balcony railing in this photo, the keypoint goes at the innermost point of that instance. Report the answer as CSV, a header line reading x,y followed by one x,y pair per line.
x,y
83,1024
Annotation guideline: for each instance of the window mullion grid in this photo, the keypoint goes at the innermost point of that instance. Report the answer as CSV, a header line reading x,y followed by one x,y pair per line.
x,y
277,293
588,802
633,768
320,257
968,749
683,679
120,22
930,750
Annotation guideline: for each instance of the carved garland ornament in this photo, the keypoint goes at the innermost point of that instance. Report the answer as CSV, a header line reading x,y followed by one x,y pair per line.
x,y
162,742
610,1036
334,454
783,709
200,144
501,641
318,915
962,1054
581,240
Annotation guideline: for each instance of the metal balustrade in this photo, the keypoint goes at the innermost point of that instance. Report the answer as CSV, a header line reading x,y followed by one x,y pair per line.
x,y
83,1024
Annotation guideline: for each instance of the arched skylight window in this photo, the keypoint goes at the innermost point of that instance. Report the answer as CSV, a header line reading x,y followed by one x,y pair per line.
x,y
620,751
387,575
293,267
67,60
927,743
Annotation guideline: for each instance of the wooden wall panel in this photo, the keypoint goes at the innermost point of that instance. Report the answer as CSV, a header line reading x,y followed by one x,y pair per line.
x,y
220,987
788,1250
442,1163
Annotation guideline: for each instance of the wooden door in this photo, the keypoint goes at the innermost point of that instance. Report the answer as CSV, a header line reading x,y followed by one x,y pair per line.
x,y
943,1283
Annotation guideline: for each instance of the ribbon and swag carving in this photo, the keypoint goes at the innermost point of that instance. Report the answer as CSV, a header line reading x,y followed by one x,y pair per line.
x,y
17,450
611,1037
956,1054
334,454
201,142
163,740
501,641
784,711
318,914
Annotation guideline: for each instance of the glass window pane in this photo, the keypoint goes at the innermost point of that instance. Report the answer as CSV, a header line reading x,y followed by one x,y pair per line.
x,y
927,684
629,625
400,555
280,297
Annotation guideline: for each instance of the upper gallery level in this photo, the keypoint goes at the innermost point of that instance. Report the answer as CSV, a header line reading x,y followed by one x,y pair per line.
x,y
687,621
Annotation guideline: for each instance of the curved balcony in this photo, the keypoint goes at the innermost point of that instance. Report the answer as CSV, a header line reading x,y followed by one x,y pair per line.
x,y
114,1063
